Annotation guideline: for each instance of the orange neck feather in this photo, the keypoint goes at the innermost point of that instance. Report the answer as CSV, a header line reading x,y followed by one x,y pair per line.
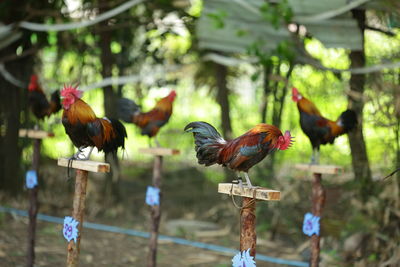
x,y
79,111
273,132
307,106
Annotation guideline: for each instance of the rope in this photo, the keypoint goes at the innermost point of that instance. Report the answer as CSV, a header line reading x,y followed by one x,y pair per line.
x,y
309,18
180,241
10,78
252,201
75,25
231,61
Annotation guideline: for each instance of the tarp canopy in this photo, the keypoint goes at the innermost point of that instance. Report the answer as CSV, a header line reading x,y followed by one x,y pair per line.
x,y
232,26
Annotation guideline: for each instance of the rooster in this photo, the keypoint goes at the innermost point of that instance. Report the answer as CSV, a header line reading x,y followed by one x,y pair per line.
x,y
241,153
149,122
38,102
320,130
85,129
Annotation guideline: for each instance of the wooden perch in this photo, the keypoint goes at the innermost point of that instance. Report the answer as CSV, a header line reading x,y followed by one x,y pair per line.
x,y
159,151
259,193
85,165
34,134
155,213
33,205
323,169
318,202
248,236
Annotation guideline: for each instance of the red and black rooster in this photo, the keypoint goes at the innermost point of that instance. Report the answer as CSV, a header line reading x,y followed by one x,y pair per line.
x,y
149,122
85,129
241,153
38,102
320,130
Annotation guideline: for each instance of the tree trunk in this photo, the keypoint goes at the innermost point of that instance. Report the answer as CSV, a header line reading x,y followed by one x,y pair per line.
x,y
12,105
222,99
110,98
362,171
397,132
266,91
278,105
107,64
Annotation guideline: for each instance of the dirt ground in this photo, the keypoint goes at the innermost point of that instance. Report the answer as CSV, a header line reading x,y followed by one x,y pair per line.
x,y
97,248
100,248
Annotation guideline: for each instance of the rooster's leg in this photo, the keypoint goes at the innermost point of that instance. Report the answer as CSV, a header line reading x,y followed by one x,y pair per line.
x,y
76,155
246,175
317,156
239,179
86,157
313,156
156,141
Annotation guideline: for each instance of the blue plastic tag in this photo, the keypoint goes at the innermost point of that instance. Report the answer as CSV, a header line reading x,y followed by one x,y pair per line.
x,y
311,224
243,259
70,230
153,196
31,179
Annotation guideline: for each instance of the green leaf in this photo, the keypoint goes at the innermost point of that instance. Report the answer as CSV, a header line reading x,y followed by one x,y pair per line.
x,y
218,18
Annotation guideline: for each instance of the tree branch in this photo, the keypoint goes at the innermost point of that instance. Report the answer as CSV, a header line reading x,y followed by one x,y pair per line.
x,y
372,28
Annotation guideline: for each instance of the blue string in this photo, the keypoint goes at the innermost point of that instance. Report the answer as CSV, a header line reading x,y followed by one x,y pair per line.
x,y
180,241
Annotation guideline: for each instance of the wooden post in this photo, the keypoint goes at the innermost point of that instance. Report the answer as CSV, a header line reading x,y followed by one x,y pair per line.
x,y
33,205
37,135
158,153
155,214
318,201
82,170
77,214
248,236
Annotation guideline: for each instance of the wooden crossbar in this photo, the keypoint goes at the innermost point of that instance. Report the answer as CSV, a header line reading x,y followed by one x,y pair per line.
x,y
85,165
159,151
259,193
34,134
323,169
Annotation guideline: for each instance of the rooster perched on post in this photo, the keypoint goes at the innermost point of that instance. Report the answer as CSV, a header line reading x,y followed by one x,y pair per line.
x,y
85,129
38,102
149,122
320,130
241,153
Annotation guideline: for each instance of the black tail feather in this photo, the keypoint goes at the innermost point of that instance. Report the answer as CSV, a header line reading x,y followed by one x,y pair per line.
x,y
118,140
126,109
207,140
55,98
349,120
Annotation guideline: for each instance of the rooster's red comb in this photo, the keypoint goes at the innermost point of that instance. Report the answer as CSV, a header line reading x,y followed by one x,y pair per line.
x,y
285,141
33,84
295,94
70,90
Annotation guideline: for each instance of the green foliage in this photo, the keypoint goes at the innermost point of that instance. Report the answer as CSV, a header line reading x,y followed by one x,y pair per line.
x,y
277,13
218,18
196,8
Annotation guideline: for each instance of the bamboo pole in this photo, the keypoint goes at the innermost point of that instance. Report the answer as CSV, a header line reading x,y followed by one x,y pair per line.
x,y
77,214
33,205
155,213
318,201
248,236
